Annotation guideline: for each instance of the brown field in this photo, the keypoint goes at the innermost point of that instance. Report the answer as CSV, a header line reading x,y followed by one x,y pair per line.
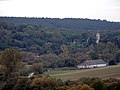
x,y
104,73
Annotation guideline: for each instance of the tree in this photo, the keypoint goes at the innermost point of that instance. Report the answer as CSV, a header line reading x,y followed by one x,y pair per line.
x,y
70,62
85,87
43,83
106,51
22,83
65,51
112,62
37,68
117,57
49,60
81,87
10,60
80,56
98,85
94,56
118,86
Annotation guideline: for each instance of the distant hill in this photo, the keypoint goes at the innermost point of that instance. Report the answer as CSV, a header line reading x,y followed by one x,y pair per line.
x,y
66,23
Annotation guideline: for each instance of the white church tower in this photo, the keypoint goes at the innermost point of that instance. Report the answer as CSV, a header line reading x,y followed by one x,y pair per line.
x,y
97,38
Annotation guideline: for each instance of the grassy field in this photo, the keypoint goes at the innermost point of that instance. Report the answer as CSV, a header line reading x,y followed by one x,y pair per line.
x,y
105,72
54,72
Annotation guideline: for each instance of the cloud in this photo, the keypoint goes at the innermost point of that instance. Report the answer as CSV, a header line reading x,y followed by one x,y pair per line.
x,y
3,0
102,9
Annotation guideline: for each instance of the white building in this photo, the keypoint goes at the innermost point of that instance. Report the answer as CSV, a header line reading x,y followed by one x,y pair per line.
x,y
92,64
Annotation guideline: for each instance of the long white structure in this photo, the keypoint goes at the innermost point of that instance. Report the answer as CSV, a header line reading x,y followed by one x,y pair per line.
x,y
92,64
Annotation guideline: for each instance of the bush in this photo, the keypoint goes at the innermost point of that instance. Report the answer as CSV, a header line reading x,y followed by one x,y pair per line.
x,y
98,85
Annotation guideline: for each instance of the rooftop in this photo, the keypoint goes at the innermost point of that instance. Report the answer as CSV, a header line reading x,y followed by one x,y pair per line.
x,y
93,62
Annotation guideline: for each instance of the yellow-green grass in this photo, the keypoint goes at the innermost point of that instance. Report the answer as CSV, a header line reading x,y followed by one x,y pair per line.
x,y
52,72
104,72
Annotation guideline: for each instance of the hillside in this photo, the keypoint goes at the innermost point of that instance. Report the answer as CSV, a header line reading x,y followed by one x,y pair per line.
x,y
65,23
55,47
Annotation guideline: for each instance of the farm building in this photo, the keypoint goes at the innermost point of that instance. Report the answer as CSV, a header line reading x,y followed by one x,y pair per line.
x,y
92,64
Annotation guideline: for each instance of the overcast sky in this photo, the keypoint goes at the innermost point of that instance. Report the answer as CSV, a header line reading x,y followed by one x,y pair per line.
x,y
93,9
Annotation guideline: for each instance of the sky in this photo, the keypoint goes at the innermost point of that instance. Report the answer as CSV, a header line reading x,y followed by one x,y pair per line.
x,y
92,9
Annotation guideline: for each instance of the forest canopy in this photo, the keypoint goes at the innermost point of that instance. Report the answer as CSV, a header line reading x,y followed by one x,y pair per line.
x,y
57,45
65,23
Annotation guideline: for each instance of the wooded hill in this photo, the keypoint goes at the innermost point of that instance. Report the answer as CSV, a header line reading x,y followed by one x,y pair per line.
x,y
58,47
65,23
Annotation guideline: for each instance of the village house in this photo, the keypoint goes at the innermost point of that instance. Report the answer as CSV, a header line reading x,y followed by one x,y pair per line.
x,y
92,64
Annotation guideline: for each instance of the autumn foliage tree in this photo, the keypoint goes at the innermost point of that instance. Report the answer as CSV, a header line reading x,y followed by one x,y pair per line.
x,y
10,61
43,83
